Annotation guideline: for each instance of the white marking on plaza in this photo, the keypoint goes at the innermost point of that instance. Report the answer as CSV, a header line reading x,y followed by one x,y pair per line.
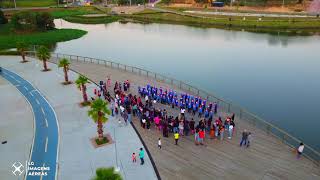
x,y
43,111
37,101
46,146
46,120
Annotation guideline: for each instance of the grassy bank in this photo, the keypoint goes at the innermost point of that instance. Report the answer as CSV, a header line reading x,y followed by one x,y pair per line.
x,y
303,26
63,12
92,20
8,38
28,3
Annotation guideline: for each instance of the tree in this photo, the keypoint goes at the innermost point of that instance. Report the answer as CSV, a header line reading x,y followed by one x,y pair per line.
x,y
44,55
107,174
3,19
24,21
22,47
99,112
44,21
65,64
81,83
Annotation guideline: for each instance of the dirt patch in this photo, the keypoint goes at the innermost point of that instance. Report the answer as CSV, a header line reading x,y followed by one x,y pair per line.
x,y
269,9
128,9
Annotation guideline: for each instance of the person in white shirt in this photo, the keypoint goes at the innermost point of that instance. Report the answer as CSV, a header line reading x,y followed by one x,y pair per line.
x,y
300,150
159,143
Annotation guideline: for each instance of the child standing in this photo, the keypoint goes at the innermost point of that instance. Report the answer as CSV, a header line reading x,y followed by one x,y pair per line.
x,y
134,159
159,143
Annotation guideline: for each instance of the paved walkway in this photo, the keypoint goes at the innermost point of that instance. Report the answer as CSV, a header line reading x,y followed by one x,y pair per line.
x,y
267,158
78,159
16,127
45,143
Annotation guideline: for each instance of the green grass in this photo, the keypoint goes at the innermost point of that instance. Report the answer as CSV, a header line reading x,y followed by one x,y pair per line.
x,y
298,25
103,141
8,38
28,3
92,20
65,12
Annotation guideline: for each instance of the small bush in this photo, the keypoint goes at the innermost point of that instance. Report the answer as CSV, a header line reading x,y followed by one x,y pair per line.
x,y
107,173
103,141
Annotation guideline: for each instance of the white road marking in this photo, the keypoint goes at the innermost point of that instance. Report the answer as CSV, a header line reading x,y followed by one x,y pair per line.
x,y
25,88
46,147
31,94
37,102
43,112
42,172
18,81
46,122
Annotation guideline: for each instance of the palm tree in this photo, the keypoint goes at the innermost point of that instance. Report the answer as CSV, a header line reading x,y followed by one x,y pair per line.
x,y
107,173
81,82
99,112
44,55
22,47
65,64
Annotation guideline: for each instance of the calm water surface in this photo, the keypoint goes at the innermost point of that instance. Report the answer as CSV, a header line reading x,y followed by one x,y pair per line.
x,y
276,77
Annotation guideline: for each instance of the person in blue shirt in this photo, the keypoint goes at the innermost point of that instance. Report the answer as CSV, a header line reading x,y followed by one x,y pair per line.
x,y
194,109
211,115
189,107
206,113
200,112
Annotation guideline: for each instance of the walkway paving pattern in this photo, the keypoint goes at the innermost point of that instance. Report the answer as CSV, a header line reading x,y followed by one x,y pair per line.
x,y
16,127
77,158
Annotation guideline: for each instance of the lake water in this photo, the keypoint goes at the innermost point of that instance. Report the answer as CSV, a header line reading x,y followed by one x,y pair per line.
x,y
275,77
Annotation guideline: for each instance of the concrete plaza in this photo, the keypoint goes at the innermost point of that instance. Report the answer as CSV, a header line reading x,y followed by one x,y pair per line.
x,y
78,159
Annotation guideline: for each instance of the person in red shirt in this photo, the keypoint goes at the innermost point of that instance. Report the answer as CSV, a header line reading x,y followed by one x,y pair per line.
x,y
201,136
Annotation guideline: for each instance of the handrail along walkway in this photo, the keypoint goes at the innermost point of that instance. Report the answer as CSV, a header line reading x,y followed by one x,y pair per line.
x,y
224,105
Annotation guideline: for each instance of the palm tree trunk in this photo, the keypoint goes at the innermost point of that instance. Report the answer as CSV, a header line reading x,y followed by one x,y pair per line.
x,y
45,65
65,74
23,57
84,93
100,128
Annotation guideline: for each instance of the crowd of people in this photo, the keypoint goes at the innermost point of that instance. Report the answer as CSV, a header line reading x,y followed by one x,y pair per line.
x,y
144,108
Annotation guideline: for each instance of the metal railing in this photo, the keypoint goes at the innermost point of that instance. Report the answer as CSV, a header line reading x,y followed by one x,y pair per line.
x,y
223,105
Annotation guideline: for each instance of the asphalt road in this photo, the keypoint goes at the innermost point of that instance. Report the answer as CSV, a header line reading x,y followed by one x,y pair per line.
x,y
45,144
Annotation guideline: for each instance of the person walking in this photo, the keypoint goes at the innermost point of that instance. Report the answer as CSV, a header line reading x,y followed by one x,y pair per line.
x,y
230,130
159,143
134,159
176,137
244,138
141,156
249,139
300,150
